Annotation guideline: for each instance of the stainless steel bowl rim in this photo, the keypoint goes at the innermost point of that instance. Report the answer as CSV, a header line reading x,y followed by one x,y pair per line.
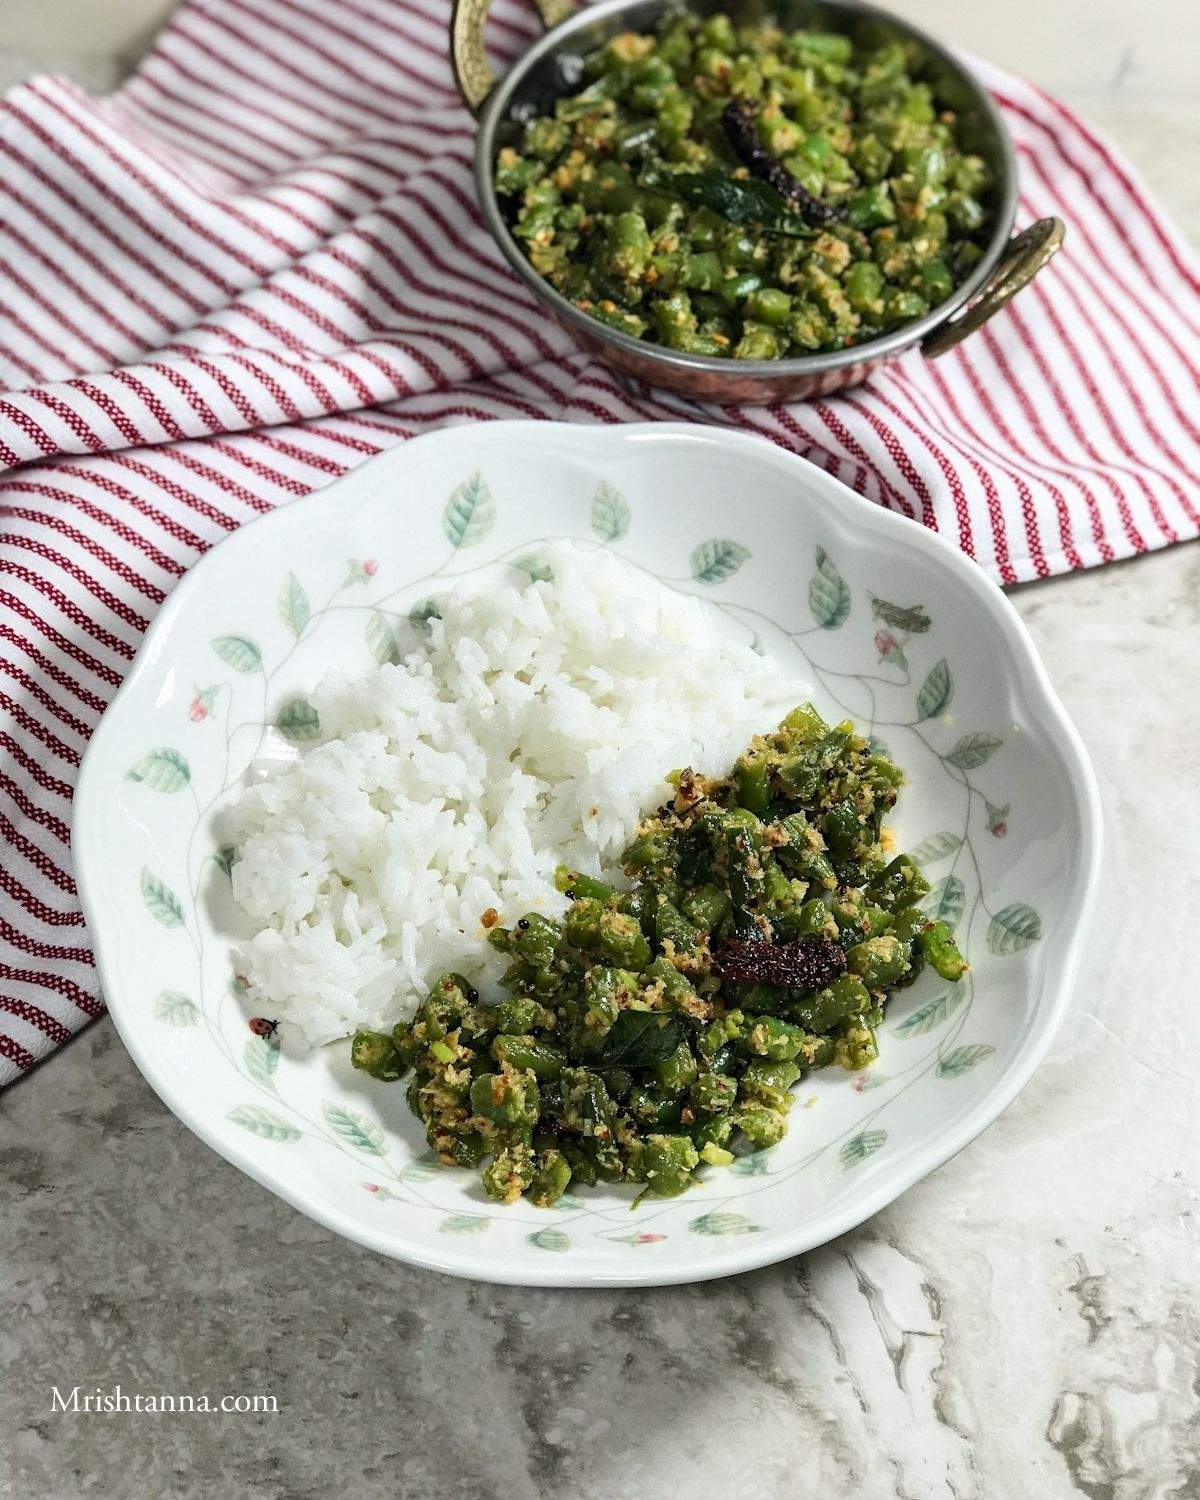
x,y
496,108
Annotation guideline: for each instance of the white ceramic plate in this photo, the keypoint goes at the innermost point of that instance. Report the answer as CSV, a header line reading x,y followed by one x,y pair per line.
x,y
899,630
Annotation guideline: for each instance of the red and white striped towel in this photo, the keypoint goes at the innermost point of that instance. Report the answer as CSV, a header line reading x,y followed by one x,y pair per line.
x,y
260,263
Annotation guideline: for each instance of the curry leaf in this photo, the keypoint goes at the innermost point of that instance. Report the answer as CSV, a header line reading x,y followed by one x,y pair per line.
x,y
639,1038
828,596
740,200
936,692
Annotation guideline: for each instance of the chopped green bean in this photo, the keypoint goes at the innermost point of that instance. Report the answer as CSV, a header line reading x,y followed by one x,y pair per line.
x,y
655,1031
630,198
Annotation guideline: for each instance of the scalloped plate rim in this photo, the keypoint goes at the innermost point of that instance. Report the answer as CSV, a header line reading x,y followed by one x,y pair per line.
x,y
1071,928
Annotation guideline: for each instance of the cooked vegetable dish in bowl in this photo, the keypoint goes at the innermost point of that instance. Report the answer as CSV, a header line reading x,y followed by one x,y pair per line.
x,y
750,192
653,1028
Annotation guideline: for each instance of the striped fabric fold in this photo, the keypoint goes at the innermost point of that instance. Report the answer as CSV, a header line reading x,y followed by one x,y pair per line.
x,y
260,263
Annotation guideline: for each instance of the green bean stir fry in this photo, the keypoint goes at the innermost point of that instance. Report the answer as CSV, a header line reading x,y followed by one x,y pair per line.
x,y
656,1027
749,192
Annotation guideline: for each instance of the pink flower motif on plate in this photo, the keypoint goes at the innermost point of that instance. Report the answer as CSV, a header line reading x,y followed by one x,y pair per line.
x,y
203,701
889,648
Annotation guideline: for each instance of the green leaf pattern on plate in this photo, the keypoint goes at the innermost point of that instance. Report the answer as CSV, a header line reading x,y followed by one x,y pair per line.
x,y
176,1009
610,512
535,567
261,1056
945,901
860,1146
1014,928
161,901
355,1129
973,750
293,606
717,559
936,692
381,638
828,595
463,1224
470,512
162,770
263,1122
936,847
722,1223
550,1239
753,1165
298,721
933,1013
961,1060
421,613
238,651
421,1170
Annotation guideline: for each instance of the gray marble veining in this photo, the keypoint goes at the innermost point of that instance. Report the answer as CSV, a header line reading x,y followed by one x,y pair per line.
x,y
1022,1325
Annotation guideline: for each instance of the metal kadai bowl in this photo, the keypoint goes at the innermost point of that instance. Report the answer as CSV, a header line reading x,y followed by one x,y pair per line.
x,y
551,69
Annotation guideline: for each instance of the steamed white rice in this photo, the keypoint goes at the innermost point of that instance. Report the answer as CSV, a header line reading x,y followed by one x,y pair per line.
x,y
534,729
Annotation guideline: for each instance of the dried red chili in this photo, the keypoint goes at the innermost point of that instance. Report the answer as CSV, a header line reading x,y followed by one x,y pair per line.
x,y
743,137
810,963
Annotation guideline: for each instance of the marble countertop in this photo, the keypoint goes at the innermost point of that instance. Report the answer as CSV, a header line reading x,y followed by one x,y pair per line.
x,y
1021,1324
